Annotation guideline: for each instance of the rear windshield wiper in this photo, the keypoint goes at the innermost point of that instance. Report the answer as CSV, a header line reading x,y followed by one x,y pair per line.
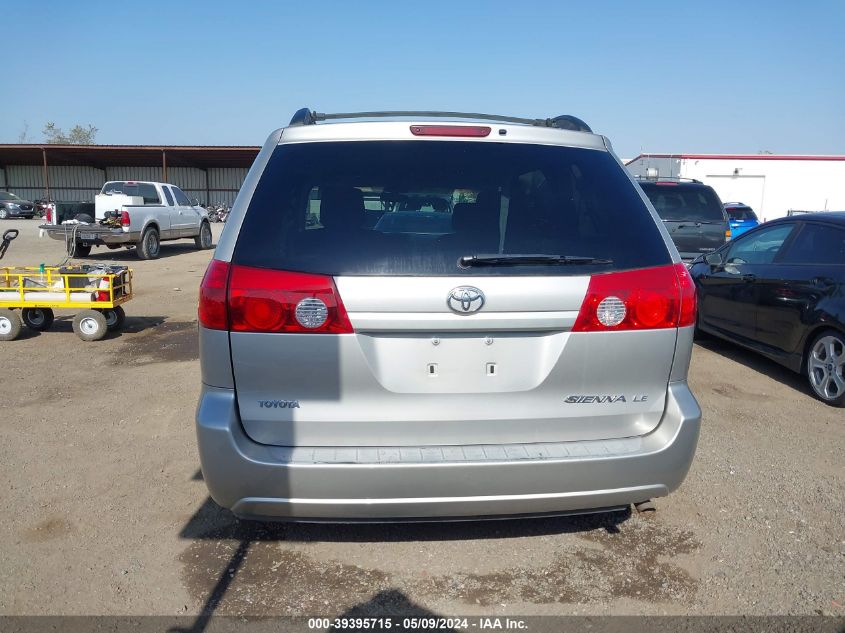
x,y
528,260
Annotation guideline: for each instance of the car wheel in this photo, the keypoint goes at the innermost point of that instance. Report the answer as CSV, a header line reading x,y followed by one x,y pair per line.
x,y
824,368
90,325
204,239
10,325
4,214
149,245
38,319
82,250
114,317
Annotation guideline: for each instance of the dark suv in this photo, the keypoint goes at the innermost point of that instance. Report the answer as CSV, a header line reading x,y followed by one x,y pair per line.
x,y
692,213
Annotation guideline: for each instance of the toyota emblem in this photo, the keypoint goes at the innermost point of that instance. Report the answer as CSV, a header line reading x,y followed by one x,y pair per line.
x,y
465,299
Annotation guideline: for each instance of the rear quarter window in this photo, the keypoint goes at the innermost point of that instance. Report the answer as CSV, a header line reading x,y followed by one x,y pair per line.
x,y
416,207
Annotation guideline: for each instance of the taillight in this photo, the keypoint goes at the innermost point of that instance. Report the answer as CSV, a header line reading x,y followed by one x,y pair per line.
x,y
450,130
688,296
49,215
647,299
124,218
262,300
212,305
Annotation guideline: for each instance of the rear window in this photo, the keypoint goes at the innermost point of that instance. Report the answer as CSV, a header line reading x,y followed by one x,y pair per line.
x,y
143,190
679,202
741,213
416,207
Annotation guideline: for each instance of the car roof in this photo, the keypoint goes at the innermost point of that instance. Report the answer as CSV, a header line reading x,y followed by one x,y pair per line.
x,y
673,183
827,217
401,130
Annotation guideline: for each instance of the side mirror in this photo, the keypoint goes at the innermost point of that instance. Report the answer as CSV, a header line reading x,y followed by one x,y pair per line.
x,y
195,202
714,259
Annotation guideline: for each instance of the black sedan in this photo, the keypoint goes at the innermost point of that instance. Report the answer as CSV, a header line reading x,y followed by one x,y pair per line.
x,y
779,290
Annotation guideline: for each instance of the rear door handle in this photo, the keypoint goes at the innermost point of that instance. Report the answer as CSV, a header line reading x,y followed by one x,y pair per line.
x,y
749,277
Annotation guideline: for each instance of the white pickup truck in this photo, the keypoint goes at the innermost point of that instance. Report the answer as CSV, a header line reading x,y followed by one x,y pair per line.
x,y
137,215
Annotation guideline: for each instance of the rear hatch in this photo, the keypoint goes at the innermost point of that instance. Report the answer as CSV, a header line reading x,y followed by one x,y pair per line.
x,y
741,219
411,341
692,213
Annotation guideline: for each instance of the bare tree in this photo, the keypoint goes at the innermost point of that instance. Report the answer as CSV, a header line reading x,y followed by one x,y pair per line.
x,y
23,137
78,134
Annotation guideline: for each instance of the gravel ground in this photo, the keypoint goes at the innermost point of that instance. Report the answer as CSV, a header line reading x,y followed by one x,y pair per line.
x,y
106,511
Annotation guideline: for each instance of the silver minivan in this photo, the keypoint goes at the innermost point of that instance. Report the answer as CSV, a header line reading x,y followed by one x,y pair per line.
x,y
421,318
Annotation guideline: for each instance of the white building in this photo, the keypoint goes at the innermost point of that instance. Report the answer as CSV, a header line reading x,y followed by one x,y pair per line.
x,y
771,184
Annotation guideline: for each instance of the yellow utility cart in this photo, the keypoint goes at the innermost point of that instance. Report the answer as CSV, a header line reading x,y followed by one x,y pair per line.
x,y
96,293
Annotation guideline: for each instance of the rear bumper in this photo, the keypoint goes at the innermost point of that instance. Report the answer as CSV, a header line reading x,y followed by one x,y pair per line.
x,y
91,234
266,482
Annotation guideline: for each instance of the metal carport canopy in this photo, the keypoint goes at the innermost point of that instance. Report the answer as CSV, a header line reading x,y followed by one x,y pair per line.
x,y
102,156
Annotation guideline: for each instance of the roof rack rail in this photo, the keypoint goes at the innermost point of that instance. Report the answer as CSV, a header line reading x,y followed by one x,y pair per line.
x,y
305,116
663,178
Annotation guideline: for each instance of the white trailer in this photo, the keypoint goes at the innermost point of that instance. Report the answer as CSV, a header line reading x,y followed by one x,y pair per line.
x,y
771,184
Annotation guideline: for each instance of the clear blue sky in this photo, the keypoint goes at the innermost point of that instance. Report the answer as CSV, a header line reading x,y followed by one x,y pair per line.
x,y
653,76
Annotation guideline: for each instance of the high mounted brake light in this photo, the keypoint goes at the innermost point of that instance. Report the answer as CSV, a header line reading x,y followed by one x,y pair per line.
x,y
648,299
450,130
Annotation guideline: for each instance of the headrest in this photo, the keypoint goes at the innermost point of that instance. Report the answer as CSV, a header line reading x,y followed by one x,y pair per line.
x,y
479,218
341,207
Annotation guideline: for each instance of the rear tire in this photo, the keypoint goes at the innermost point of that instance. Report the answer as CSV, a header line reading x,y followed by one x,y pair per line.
x,y
824,368
4,214
697,333
10,325
38,319
90,325
149,246
82,250
204,240
115,317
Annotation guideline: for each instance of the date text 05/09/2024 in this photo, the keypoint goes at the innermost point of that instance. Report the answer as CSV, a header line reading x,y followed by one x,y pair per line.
x,y
431,623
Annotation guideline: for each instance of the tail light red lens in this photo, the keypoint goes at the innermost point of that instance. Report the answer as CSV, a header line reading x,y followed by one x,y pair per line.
x,y
688,296
653,298
263,300
243,299
124,218
212,311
